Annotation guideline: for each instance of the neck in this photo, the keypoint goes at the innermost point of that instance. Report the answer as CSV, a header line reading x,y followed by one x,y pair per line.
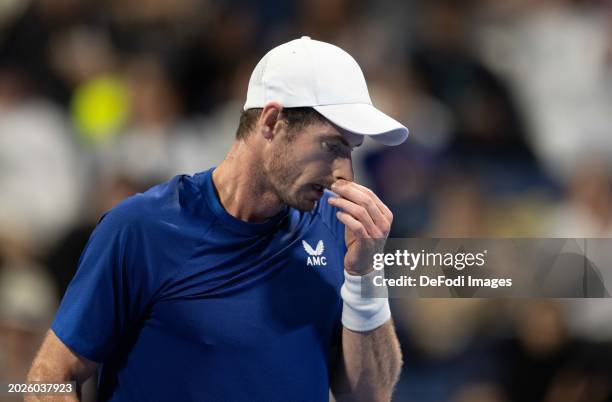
x,y
241,187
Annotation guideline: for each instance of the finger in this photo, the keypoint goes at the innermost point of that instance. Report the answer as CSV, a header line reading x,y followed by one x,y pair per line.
x,y
358,212
351,192
381,205
352,224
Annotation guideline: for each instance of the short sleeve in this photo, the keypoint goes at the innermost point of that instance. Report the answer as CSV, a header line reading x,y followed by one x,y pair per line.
x,y
110,290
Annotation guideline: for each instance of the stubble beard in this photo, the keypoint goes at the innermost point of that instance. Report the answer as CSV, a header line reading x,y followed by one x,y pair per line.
x,y
281,174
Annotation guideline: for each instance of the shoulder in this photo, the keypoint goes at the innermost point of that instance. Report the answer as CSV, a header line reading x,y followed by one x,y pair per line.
x,y
142,208
165,207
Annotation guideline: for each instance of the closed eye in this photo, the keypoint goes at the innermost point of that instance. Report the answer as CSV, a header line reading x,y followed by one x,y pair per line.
x,y
336,149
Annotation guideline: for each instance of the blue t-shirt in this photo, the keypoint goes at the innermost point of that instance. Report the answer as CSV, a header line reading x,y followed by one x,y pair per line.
x,y
180,301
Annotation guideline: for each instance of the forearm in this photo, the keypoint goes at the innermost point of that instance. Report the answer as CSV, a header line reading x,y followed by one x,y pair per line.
x,y
369,365
47,372
53,363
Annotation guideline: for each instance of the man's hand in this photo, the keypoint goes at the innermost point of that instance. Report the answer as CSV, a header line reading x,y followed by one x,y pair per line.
x,y
367,221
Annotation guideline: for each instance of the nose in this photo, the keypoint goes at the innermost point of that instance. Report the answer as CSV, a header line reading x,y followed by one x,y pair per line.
x,y
343,169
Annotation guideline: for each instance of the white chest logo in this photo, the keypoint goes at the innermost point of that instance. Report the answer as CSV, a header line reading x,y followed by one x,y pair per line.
x,y
315,257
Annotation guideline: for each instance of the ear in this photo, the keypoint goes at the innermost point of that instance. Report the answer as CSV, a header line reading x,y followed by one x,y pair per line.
x,y
269,118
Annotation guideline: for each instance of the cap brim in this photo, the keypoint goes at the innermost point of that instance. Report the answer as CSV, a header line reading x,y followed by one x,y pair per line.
x,y
365,119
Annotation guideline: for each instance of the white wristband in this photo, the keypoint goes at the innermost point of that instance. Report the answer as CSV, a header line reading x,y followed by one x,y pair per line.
x,y
358,313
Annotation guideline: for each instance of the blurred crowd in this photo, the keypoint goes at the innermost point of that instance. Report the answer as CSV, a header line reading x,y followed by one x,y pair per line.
x,y
509,104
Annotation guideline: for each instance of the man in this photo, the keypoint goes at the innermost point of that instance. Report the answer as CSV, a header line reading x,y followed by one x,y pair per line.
x,y
242,283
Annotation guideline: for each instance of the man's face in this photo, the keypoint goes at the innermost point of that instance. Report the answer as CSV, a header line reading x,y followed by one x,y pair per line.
x,y
300,165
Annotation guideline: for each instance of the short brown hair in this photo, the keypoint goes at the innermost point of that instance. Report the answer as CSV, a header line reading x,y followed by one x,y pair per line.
x,y
296,118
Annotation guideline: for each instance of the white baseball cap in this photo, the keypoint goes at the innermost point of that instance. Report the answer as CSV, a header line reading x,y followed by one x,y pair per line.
x,y
309,73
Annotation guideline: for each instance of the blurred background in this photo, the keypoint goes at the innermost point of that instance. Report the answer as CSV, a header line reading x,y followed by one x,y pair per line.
x,y
510,109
